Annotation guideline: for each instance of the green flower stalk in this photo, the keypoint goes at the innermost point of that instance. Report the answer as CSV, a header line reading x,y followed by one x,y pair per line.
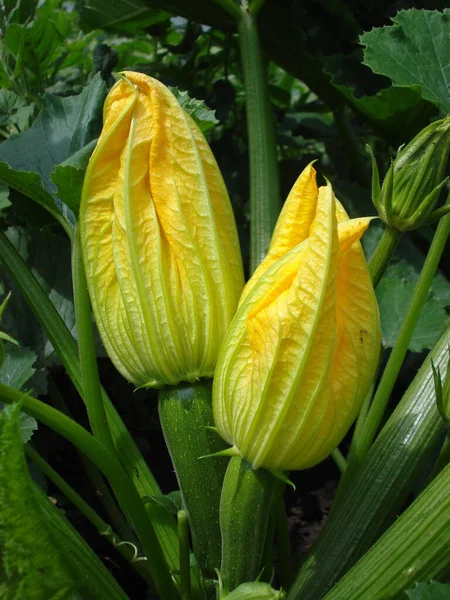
x,y
411,188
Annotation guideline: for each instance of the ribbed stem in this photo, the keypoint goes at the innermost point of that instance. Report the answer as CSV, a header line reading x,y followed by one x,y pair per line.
x,y
383,254
264,177
186,418
245,506
414,549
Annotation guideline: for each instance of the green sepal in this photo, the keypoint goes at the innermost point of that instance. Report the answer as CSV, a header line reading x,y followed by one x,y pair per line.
x,y
230,452
437,214
280,475
376,188
425,208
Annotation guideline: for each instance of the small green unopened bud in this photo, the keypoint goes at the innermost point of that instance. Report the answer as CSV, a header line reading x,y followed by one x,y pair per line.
x,y
414,180
255,590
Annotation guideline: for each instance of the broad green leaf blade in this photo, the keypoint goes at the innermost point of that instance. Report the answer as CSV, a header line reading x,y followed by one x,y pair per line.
x,y
17,367
129,16
429,591
394,293
69,176
401,452
414,52
63,127
33,566
395,112
197,109
16,371
42,557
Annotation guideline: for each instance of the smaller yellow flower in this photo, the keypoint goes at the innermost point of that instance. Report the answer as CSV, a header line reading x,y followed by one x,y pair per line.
x,y
302,350
160,246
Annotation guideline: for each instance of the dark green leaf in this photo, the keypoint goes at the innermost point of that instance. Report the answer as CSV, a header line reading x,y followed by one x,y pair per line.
x,y
17,366
197,109
27,426
398,113
32,565
414,53
63,127
69,176
171,502
36,247
4,198
41,556
429,591
394,294
128,16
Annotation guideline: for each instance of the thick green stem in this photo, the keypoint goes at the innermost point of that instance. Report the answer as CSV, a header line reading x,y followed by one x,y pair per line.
x,y
126,549
414,549
117,476
186,419
390,374
245,506
92,391
185,567
383,254
264,178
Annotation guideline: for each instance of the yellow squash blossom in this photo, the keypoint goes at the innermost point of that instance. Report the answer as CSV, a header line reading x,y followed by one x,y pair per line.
x,y
159,239
301,352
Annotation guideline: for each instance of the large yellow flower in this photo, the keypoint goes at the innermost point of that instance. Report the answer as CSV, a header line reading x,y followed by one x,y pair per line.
x,y
302,350
159,240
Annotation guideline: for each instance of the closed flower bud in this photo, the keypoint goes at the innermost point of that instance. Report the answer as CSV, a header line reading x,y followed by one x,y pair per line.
x,y
301,352
159,240
414,180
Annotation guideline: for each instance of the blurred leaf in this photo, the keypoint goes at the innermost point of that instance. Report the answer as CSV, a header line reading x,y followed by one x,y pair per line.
x,y
69,176
429,591
36,247
129,16
414,53
27,425
4,198
399,113
31,564
394,293
171,502
17,367
62,128
197,109
33,45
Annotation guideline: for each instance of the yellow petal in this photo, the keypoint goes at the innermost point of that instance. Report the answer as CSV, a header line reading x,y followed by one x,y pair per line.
x,y
159,238
293,225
